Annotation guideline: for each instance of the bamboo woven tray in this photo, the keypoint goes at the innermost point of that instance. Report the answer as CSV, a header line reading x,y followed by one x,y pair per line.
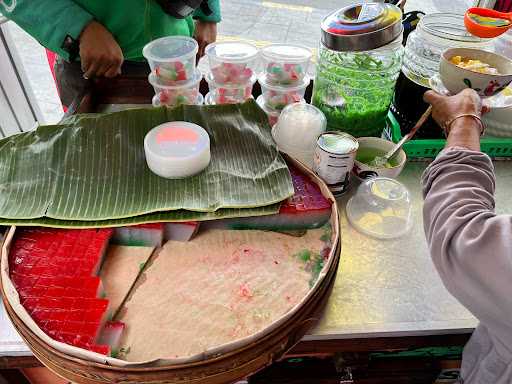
x,y
225,367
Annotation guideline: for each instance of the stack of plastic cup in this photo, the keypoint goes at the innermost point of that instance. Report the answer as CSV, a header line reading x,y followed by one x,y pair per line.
x,y
284,79
174,75
233,68
297,129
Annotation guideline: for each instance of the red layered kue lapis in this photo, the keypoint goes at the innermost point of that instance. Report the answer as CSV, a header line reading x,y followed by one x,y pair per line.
x,y
54,272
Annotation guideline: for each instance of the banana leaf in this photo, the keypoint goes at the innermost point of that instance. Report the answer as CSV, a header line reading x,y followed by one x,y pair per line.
x,y
158,217
93,168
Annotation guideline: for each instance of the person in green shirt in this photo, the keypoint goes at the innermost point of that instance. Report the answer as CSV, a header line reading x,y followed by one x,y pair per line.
x,y
100,38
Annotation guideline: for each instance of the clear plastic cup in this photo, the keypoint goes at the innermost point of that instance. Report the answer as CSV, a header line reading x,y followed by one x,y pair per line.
x,y
272,115
232,62
277,97
172,59
381,208
230,93
173,95
285,64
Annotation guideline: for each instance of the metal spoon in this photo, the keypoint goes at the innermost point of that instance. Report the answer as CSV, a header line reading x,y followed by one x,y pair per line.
x,y
380,161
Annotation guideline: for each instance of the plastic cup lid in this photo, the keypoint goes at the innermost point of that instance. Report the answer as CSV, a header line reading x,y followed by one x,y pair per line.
x,y
232,51
265,82
170,48
198,76
213,84
380,208
291,53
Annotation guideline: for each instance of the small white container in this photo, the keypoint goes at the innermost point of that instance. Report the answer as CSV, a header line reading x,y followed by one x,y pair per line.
x,y
177,149
232,62
172,59
173,95
285,64
229,93
277,97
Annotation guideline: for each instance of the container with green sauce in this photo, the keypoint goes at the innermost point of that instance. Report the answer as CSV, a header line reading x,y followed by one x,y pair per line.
x,y
359,60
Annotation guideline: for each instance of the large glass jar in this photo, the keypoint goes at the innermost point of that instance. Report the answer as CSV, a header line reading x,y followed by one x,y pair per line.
x,y
359,60
354,89
434,34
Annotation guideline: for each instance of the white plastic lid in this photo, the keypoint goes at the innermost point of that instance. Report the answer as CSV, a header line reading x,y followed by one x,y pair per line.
x,y
380,208
177,149
232,51
192,83
290,53
266,83
170,48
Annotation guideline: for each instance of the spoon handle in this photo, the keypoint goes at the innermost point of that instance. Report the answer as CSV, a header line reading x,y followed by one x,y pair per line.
x,y
420,122
410,135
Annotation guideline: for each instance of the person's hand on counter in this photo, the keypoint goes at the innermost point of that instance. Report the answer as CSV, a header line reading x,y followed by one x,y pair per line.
x,y
459,116
206,33
99,52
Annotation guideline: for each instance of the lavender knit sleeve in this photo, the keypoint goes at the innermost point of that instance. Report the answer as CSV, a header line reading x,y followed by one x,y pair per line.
x,y
470,245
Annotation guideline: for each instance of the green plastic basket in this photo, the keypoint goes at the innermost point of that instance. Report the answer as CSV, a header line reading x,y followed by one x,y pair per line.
x,y
429,148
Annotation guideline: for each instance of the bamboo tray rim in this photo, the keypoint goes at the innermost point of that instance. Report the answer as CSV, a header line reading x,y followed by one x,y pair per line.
x,y
81,356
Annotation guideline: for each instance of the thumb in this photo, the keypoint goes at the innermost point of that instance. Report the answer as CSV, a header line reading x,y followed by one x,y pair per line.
x,y
432,97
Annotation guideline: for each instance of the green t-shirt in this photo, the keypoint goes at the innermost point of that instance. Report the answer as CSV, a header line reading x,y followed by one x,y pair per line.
x,y
133,23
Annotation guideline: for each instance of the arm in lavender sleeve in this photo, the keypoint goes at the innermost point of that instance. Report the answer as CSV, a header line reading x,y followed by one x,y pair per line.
x,y
470,245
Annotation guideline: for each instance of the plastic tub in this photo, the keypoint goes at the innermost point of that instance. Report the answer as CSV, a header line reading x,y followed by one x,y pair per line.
x,y
230,93
177,149
232,62
172,58
277,97
285,63
172,95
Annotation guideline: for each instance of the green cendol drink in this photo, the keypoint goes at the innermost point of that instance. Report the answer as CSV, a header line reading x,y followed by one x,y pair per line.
x,y
359,61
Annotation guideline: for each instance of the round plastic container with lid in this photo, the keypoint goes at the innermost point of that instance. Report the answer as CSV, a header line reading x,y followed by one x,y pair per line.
x,y
232,62
172,58
172,95
277,97
177,149
229,93
285,63
381,208
359,60
155,101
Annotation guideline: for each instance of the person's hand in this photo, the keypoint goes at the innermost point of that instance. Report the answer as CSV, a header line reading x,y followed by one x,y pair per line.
x,y
99,52
464,131
445,108
206,33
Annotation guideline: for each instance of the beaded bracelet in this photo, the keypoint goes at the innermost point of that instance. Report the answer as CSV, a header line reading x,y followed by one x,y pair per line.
x,y
447,125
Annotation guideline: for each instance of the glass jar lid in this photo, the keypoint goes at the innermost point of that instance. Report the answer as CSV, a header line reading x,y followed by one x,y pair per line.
x,y
362,27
